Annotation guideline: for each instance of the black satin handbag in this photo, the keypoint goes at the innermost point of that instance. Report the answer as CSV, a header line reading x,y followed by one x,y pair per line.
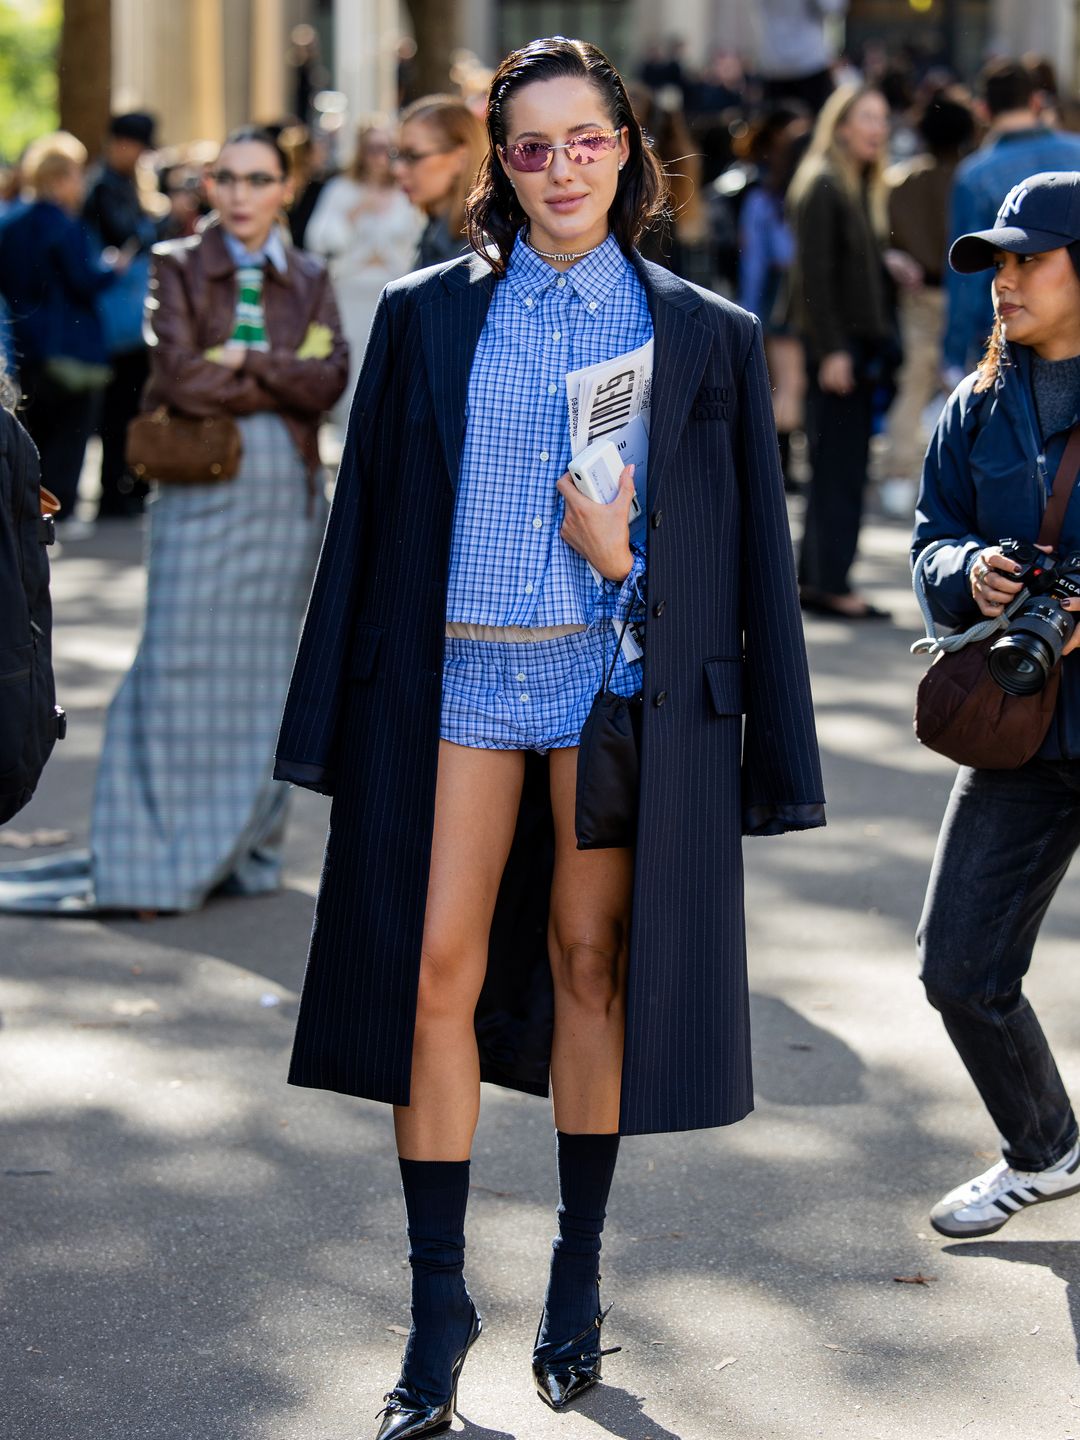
x,y
608,767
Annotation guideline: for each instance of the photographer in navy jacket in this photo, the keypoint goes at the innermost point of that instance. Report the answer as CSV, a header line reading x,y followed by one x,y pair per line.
x,y
1008,835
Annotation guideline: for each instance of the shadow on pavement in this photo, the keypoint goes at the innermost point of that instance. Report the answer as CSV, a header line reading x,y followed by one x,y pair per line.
x,y
1060,1257
622,1413
783,1072
473,1431
285,915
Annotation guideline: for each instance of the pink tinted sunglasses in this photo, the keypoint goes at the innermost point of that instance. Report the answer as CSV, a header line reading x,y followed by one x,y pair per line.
x,y
533,155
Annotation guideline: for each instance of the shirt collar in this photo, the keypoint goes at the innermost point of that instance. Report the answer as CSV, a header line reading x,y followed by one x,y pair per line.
x,y
593,278
273,252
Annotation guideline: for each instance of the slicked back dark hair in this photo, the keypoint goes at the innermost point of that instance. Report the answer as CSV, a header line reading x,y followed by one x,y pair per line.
x,y
257,135
493,213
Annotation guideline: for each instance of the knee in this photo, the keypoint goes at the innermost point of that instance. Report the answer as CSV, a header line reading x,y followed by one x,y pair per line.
x,y
446,990
588,976
952,977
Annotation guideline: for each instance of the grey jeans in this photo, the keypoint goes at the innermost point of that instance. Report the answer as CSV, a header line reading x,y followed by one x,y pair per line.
x,y
1005,844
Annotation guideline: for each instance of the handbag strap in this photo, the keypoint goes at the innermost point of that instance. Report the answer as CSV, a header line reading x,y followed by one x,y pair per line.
x,y
618,646
1054,514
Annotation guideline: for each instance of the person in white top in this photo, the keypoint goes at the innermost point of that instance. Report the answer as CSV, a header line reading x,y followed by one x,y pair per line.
x,y
795,51
367,231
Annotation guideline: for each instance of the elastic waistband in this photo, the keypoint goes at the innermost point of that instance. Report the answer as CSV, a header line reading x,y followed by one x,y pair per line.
x,y
509,634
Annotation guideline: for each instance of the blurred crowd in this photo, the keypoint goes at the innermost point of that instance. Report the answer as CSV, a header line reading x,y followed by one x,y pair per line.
x,y
820,192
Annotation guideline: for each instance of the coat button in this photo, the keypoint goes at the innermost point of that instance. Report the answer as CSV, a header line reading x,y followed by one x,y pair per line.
x,y
658,608
657,516
659,698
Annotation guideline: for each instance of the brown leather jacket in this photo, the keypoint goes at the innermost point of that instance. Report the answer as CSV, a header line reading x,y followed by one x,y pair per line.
x,y
191,308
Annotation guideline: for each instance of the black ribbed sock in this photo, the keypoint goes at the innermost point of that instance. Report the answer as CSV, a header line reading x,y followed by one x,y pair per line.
x,y
586,1167
436,1194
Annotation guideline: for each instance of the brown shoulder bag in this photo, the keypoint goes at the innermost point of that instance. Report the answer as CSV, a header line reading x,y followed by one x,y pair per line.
x,y
179,450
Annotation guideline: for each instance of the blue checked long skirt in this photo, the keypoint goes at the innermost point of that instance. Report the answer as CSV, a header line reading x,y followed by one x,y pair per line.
x,y
184,801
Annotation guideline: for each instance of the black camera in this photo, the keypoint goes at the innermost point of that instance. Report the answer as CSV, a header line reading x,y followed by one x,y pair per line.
x,y
1022,659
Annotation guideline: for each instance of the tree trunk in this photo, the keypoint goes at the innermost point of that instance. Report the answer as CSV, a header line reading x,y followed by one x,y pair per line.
x,y
85,70
437,27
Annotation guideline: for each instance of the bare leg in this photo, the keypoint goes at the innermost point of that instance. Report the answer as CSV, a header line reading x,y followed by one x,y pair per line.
x,y
476,805
588,942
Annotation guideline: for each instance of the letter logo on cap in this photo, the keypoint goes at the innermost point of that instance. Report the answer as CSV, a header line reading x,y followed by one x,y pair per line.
x,y
1012,202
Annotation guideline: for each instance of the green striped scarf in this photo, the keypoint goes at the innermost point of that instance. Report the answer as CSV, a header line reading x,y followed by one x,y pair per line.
x,y
250,326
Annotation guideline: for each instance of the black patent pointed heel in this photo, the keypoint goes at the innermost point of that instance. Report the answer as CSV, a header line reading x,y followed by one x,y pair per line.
x,y
406,1417
563,1371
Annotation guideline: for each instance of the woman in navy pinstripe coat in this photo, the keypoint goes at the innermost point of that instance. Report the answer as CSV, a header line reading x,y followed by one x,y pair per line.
x,y
459,934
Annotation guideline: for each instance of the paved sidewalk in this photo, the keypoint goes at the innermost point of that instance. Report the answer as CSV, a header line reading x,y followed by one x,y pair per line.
x,y
195,1251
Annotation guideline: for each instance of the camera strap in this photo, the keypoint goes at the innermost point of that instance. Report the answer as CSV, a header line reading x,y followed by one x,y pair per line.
x,y
1054,514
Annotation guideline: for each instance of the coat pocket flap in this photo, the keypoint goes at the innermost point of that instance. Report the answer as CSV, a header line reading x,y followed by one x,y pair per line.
x,y
725,681
365,649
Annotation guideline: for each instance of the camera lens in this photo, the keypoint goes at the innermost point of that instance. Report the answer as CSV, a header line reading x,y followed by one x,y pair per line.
x,y
1021,660
1019,665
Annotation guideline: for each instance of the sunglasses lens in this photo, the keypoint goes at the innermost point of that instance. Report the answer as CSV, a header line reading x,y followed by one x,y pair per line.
x,y
589,148
530,156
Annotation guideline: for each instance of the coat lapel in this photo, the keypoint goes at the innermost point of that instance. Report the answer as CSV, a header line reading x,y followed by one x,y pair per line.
x,y
450,327
681,349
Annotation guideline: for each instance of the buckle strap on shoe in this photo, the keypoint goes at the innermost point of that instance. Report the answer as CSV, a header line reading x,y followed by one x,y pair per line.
x,y
541,1352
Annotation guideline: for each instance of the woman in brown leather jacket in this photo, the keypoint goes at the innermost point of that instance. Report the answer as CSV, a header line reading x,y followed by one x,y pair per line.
x,y
239,325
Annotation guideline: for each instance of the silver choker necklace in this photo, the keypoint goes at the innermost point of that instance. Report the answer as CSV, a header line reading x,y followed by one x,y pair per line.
x,y
569,254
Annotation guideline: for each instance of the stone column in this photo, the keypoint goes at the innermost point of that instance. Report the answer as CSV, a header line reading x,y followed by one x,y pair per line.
x,y
268,44
1049,28
207,69
365,54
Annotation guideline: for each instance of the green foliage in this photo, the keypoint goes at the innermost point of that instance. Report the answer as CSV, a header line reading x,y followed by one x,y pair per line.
x,y
29,39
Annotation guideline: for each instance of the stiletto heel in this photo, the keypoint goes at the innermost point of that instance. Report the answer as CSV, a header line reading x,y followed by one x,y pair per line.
x,y
407,1417
563,1371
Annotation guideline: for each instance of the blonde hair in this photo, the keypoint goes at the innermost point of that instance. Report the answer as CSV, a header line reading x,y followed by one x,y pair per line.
x,y
456,126
358,167
828,155
50,158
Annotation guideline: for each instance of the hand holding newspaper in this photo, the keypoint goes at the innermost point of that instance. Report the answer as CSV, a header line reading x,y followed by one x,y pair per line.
x,y
611,401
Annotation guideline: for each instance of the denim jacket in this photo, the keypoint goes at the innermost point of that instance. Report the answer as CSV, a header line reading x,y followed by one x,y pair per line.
x,y
986,478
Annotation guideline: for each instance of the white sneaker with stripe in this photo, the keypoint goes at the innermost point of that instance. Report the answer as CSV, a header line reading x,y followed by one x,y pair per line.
x,y
990,1201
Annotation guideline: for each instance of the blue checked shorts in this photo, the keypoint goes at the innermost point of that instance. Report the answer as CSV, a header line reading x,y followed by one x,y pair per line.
x,y
527,695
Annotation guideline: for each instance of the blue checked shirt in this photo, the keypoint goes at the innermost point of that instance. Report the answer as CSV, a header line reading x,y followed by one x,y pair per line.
x,y
508,563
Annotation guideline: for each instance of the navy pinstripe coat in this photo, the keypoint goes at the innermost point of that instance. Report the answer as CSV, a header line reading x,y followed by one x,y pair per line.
x,y
723,641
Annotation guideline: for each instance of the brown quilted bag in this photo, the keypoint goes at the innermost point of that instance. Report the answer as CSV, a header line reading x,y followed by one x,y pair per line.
x,y
177,450
961,712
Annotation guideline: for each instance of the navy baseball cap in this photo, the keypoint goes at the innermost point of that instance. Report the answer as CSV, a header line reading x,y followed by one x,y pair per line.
x,y
1041,213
